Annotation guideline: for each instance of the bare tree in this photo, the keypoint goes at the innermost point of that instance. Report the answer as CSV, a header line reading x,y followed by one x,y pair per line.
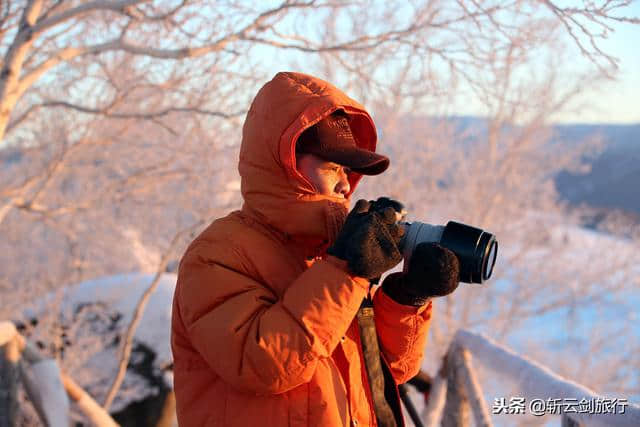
x,y
552,279
120,121
66,44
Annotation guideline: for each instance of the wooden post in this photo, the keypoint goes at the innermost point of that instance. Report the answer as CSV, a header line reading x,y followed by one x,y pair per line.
x,y
13,347
168,415
9,375
472,388
456,409
435,405
98,416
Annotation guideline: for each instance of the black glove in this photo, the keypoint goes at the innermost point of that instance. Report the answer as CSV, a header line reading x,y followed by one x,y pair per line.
x,y
381,206
368,240
384,202
434,271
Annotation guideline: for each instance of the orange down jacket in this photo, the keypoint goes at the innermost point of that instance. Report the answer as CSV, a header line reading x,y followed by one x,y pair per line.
x,y
263,330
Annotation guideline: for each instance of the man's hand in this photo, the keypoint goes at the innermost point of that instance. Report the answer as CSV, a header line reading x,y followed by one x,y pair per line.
x,y
383,206
369,240
434,271
384,202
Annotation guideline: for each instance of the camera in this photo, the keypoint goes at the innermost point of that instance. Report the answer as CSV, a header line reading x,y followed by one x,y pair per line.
x,y
475,249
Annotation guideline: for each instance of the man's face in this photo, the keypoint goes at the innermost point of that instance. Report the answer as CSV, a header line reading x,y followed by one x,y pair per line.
x,y
328,178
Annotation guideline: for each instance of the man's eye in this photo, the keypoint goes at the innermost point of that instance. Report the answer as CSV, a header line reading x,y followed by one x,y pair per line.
x,y
338,168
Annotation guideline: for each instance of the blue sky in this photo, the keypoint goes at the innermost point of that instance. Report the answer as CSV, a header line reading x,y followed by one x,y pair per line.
x,y
616,101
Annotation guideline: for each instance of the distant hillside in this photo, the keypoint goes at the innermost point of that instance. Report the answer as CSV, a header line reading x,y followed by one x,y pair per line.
x,y
614,179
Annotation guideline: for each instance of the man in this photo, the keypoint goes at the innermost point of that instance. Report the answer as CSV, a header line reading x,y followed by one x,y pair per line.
x,y
265,325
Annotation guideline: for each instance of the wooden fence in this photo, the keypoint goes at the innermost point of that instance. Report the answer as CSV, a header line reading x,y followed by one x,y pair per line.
x,y
456,398
48,388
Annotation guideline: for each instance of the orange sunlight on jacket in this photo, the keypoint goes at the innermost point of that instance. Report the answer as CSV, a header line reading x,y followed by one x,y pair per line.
x,y
263,330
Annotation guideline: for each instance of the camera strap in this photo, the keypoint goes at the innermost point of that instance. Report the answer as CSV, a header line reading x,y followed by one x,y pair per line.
x,y
381,382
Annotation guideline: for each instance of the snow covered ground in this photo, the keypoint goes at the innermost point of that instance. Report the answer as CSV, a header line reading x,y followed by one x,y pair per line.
x,y
106,305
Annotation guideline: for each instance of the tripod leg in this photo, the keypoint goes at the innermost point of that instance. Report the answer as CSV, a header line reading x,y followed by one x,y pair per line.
x,y
409,405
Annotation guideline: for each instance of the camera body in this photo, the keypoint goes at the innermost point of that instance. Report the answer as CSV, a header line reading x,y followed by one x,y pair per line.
x,y
475,249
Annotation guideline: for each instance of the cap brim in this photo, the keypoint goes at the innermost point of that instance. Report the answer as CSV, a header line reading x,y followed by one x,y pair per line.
x,y
359,160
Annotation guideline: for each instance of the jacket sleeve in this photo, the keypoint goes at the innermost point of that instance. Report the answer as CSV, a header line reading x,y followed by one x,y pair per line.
x,y
402,334
255,341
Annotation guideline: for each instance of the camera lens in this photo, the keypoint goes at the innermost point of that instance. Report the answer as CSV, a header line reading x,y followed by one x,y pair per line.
x,y
490,259
475,249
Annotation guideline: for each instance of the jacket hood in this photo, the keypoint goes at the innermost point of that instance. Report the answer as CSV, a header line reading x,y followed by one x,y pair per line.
x,y
273,190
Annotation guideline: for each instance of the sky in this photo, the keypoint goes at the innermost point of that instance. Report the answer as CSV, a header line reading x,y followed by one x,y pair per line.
x,y
614,102
618,101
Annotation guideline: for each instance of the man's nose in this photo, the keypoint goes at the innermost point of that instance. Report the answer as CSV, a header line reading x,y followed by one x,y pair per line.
x,y
343,186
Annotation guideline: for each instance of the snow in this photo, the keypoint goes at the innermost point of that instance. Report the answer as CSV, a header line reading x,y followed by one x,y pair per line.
x,y
119,294
122,293
45,389
534,381
594,272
